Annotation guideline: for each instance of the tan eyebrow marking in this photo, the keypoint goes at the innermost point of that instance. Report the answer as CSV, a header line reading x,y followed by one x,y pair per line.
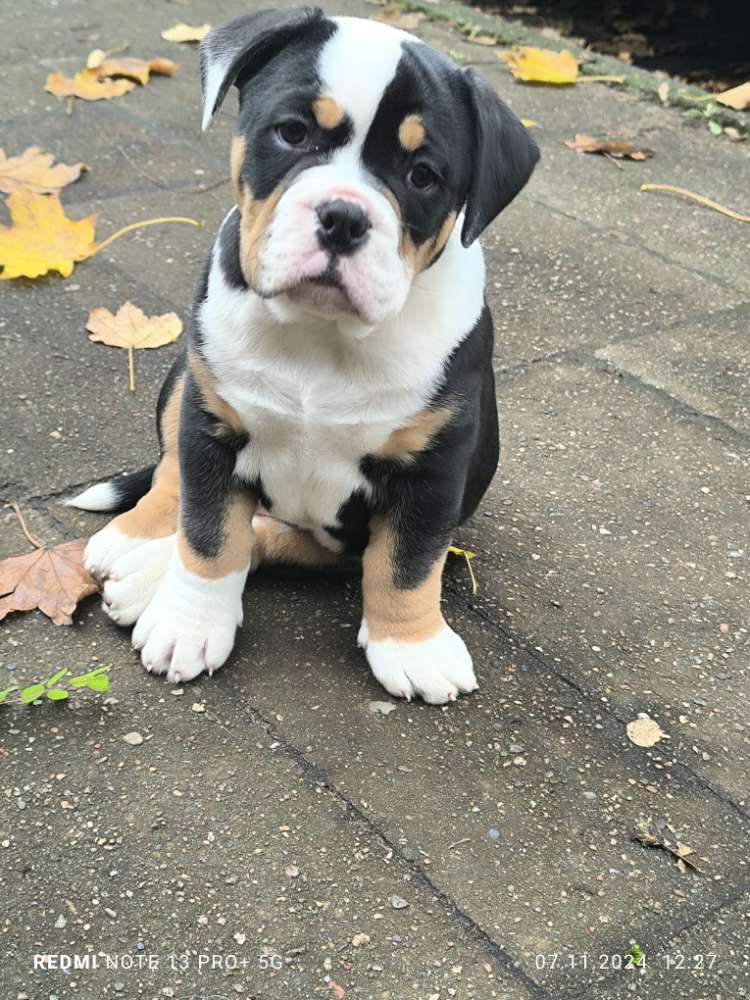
x,y
328,113
411,133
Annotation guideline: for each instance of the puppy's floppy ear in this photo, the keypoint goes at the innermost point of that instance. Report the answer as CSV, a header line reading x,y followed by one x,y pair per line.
x,y
245,44
504,156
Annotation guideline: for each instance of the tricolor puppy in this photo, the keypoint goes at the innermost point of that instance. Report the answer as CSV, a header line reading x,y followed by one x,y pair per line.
x,y
336,397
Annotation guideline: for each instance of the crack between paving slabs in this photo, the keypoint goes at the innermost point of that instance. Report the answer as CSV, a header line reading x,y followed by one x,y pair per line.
x,y
583,993
630,243
319,777
593,699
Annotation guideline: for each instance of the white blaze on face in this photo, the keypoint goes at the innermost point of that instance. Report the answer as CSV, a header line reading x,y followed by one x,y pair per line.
x,y
355,68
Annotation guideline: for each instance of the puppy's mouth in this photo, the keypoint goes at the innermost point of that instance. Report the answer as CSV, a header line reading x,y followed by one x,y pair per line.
x,y
325,293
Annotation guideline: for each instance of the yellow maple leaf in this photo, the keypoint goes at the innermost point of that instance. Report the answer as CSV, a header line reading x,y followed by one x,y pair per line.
x,y
131,329
534,65
42,238
87,85
136,69
33,170
181,32
737,98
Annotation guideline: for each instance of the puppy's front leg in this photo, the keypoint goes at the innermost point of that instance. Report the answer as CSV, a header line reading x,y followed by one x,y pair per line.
x,y
410,647
190,624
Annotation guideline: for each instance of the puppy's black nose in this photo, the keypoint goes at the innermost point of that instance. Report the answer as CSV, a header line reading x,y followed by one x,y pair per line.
x,y
343,226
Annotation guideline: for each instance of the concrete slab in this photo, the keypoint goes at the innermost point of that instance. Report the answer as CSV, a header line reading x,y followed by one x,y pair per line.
x,y
705,363
611,558
614,547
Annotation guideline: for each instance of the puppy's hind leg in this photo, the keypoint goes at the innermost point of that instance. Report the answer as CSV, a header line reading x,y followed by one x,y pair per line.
x,y
279,544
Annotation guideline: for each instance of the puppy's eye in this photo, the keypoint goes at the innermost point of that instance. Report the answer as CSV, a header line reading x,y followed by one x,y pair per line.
x,y
422,178
292,133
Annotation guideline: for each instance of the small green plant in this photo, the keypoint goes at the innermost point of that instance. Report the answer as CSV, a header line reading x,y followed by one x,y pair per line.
x,y
57,688
636,958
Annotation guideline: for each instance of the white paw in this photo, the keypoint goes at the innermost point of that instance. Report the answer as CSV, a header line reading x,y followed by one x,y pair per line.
x,y
105,547
189,624
134,577
436,669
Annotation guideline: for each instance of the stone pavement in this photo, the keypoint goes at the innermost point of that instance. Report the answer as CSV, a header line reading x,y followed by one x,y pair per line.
x,y
270,837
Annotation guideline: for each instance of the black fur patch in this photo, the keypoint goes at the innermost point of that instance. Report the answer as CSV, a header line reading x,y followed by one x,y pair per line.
x,y
228,249
428,85
428,498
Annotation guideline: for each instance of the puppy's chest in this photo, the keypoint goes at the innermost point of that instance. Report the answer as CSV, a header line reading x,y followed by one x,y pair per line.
x,y
307,439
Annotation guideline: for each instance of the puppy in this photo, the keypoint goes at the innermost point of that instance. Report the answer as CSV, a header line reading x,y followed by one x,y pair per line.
x,y
336,397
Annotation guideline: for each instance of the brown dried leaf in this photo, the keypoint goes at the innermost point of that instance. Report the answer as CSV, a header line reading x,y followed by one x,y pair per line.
x,y
398,19
737,98
644,731
87,85
132,329
136,69
50,579
181,32
611,147
33,171
481,39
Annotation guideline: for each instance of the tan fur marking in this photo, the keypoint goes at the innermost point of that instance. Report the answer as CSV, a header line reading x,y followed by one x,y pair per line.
x,y
406,442
236,159
213,402
155,514
390,612
328,113
254,218
281,543
411,133
236,550
420,257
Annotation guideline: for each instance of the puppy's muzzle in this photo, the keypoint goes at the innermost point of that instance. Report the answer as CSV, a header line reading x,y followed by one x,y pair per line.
x,y
343,226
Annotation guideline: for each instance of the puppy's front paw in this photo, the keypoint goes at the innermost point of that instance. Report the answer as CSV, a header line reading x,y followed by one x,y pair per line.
x,y
436,669
105,548
190,623
134,578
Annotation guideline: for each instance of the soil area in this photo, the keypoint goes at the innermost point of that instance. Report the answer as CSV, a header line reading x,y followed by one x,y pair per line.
x,y
704,42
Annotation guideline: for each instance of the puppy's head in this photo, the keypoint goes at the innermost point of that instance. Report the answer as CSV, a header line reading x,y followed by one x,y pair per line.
x,y
356,149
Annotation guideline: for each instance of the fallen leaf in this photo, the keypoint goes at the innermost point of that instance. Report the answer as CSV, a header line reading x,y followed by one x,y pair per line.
x,y
130,328
51,579
97,56
530,123
185,32
381,707
663,92
42,238
737,98
87,85
701,199
398,19
481,39
619,150
644,731
468,556
534,65
137,69
33,171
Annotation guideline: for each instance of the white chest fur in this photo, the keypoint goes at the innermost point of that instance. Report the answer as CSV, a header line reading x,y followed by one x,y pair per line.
x,y
316,397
